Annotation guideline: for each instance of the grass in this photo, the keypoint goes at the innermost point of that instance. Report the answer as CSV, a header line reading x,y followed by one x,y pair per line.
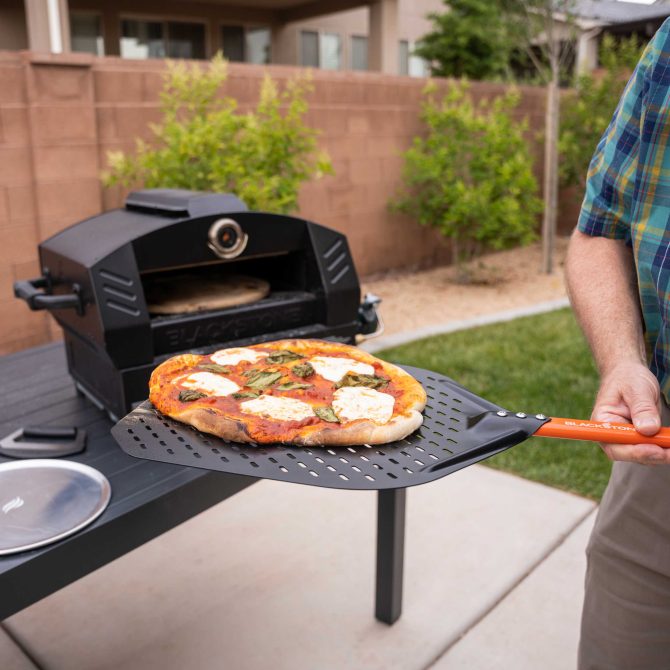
x,y
532,364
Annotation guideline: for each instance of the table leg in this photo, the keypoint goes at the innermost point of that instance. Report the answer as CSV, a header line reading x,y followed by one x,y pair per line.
x,y
390,554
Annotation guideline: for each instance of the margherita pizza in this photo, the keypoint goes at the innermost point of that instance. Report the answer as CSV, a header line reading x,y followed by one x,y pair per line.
x,y
303,392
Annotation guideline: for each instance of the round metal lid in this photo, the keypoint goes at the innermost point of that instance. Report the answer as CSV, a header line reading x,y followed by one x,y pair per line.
x,y
42,501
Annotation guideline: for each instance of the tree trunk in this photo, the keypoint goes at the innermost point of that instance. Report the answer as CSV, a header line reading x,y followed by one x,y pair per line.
x,y
550,172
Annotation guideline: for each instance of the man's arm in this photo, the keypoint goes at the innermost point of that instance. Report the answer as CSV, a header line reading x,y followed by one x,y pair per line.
x,y
601,282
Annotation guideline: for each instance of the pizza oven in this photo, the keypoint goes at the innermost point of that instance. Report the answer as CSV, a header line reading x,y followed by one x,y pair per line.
x,y
176,271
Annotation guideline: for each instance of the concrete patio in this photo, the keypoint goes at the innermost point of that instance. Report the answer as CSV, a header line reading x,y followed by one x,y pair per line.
x,y
283,577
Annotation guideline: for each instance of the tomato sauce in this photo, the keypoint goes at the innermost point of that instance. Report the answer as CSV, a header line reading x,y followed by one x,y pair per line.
x,y
319,393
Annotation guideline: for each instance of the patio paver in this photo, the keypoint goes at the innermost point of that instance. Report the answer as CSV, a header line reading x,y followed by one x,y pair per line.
x,y
537,624
283,577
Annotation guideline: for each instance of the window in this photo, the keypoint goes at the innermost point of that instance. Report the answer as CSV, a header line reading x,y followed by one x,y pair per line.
x,y
258,46
330,51
309,49
158,39
418,66
323,50
409,64
185,40
403,57
359,52
246,45
233,43
142,39
86,34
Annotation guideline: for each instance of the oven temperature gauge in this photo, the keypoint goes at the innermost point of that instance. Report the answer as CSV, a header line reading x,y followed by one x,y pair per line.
x,y
226,238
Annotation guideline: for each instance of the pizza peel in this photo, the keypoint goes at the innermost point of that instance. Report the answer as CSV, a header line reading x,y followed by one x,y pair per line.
x,y
459,429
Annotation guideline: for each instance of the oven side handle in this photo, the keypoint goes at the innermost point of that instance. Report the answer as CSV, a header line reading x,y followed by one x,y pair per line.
x,y
37,294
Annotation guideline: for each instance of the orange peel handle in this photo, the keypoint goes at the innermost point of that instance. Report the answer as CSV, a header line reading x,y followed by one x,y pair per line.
x,y
595,431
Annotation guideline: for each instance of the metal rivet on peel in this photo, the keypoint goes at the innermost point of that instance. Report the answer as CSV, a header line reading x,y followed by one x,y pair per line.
x,y
541,417
501,413
521,415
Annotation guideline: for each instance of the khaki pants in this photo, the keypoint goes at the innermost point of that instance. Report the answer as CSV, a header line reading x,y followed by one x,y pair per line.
x,y
626,616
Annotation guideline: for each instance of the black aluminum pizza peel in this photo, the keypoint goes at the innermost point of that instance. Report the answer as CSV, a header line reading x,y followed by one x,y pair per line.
x,y
459,429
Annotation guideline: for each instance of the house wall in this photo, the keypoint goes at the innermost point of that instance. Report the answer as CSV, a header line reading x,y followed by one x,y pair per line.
x,y
412,25
60,115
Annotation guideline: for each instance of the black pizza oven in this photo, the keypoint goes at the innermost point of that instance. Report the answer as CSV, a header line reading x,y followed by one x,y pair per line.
x,y
96,276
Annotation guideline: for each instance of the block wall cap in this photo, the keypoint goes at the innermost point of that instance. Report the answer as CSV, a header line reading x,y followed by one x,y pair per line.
x,y
60,60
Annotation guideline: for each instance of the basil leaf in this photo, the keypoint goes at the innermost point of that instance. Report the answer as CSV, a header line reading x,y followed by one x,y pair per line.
x,y
290,386
245,394
303,370
369,381
189,395
214,367
262,380
326,414
283,356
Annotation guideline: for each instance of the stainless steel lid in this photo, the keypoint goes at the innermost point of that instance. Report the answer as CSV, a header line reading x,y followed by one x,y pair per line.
x,y
42,501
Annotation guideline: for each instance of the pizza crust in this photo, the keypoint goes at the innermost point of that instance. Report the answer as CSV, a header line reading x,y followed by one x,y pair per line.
x,y
214,423
406,419
364,432
193,293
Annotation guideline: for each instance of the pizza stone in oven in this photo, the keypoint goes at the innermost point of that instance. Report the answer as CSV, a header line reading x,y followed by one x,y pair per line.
x,y
302,392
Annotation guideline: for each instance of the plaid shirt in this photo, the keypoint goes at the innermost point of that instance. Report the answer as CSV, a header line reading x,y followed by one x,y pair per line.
x,y
628,192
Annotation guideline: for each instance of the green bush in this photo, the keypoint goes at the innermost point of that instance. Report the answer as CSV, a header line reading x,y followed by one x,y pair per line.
x,y
468,39
203,143
586,112
471,175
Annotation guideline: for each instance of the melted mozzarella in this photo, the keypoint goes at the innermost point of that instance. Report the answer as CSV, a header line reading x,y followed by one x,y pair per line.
x,y
276,407
209,383
236,355
357,402
333,368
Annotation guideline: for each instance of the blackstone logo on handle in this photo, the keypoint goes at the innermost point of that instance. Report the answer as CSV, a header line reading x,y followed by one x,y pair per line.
x,y
606,424
14,503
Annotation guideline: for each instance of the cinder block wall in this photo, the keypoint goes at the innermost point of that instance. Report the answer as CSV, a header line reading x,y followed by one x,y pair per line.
x,y
60,115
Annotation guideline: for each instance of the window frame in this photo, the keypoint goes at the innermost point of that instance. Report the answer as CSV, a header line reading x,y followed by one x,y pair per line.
x,y
320,33
411,44
88,12
353,37
246,27
164,19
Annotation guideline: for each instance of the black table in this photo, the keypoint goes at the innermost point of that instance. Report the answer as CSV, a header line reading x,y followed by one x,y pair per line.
x,y
148,498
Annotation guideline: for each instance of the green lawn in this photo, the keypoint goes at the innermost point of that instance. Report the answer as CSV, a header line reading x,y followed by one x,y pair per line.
x,y
533,364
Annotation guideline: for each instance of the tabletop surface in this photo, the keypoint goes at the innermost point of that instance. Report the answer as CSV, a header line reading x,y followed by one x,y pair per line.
x,y
148,497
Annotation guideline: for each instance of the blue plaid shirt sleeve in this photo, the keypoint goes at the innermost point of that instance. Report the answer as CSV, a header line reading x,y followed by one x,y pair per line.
x,y
608,202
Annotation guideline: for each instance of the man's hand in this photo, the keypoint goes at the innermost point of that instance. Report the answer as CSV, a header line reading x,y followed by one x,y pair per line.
x,y
630,392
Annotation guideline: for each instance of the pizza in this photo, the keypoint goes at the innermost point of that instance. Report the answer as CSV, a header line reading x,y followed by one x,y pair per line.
x,y
302,392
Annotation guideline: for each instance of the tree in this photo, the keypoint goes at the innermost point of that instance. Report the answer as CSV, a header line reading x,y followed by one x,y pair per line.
x,y
587,111
468,40
503,34
471,176
543,31
203,143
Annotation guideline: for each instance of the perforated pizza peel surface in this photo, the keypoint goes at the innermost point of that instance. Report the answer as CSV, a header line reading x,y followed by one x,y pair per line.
x,y
459,429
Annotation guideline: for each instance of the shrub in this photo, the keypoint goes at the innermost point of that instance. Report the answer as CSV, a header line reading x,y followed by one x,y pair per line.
x,y
468,39
203,143
471,175
586,112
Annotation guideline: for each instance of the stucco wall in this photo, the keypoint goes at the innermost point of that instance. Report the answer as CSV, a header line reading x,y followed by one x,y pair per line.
x,y
59,115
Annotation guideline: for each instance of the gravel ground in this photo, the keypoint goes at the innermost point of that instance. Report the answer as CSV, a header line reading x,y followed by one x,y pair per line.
x,y
503,281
